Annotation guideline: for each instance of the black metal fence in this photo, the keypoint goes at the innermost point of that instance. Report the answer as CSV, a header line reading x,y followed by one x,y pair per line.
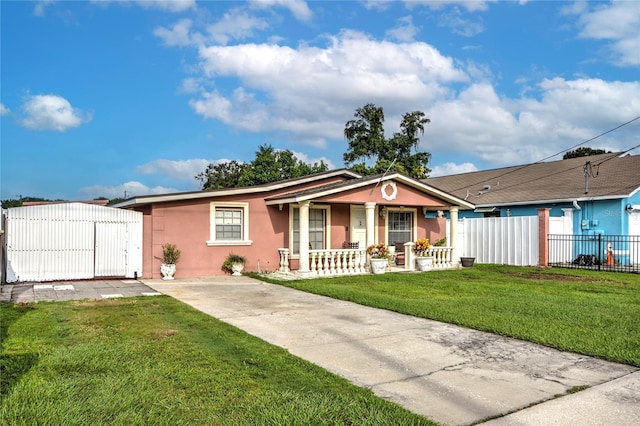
x,y
619,253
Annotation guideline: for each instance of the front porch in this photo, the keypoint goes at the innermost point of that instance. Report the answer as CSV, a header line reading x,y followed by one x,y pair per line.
x,y
340,262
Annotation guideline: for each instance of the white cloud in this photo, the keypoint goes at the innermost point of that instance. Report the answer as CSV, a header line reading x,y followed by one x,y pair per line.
x,y
235,25
298,8
308,92
165,5
452,169
618,22
470,5
404,30
41,5
461,26
51,112
312,89
505,131
179,34
4,110
130,189
306,159
181,169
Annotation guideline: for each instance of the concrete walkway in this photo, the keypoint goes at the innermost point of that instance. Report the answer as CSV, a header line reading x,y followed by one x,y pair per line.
x,y
449,374
28,292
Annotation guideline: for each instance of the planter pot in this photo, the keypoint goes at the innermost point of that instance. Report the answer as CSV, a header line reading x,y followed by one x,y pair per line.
x,y
467,262
237,268
168,270
379,266
424,263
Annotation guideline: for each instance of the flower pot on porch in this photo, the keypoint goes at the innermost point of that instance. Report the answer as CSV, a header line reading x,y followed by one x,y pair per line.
x,y
424,263
167,270
467,262
379,266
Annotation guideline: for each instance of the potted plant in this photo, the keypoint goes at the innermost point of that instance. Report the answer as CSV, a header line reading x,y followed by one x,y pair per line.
x,y
234,264
379,257
441,243
421,247
170,256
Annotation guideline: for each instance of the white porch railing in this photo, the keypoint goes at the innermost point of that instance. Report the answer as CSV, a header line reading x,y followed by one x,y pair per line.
x,y
354,261
331,261
442,257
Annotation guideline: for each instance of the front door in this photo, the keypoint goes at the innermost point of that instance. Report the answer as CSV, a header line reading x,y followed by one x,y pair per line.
x,y
358,226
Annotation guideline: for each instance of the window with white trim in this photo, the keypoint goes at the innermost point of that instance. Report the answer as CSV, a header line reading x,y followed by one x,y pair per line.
x,y
229,224
318,229
399,227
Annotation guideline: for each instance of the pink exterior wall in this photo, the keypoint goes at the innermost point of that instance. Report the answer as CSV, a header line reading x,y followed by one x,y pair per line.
x,y
406,196
187,224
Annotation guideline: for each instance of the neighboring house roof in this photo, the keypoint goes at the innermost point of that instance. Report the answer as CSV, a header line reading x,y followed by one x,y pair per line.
x,y
334,188
44,203
194,195
610,176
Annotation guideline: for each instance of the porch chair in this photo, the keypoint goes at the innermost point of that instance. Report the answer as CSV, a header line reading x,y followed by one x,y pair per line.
x,y
399,254
351,245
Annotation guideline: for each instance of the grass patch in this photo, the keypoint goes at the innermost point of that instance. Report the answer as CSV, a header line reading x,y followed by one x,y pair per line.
x,y
588,312
157,361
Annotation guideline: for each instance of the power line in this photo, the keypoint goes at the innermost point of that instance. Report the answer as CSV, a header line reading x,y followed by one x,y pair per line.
x,y
589,140
565,150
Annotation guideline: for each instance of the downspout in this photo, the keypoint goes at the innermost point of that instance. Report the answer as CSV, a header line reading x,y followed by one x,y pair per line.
x,y
576,205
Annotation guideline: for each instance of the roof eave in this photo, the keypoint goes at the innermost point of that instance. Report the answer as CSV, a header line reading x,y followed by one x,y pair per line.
x,y
149,199
364,182
552,201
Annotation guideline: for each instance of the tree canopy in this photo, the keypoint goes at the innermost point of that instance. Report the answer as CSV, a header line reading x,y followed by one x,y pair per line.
x,y
365,134
583,152
269,165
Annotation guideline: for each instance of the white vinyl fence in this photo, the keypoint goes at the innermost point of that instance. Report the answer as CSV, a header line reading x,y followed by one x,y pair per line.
x,y
502,240
72,241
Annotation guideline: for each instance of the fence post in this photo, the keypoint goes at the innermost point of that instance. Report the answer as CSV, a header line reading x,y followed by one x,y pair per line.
x,y
543,237
599,250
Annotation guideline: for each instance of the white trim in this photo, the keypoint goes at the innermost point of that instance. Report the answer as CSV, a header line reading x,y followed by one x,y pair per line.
x,y
212,241
414,220
327,226
394,191
359,183
180,196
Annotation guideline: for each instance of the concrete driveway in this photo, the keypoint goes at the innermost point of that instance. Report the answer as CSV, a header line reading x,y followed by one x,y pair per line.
x,y
449,374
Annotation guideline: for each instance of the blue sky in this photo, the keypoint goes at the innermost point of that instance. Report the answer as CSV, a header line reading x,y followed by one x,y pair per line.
x,y
103,97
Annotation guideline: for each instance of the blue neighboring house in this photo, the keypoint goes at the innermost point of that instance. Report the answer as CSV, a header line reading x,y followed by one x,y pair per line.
x,y
600,194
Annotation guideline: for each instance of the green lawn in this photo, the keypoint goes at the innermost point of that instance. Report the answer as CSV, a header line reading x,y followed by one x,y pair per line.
x,y
156,361
593,313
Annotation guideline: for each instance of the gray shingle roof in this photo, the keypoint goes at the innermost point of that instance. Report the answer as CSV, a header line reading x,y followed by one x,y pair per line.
x,y
617,177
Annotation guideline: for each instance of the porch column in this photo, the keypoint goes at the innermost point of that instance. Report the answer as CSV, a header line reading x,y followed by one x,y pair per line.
x,y
304,238
453,234
370,215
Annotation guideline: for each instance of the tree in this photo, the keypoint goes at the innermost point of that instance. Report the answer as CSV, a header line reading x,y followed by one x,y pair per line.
x,y
269,165
222,175
366,141
365,134
19,202
583,152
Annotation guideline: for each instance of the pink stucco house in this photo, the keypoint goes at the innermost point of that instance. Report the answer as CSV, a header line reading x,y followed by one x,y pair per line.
x,y
297,225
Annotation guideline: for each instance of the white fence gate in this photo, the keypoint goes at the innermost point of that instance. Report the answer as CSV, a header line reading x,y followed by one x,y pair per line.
x,y
72,241
502,240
